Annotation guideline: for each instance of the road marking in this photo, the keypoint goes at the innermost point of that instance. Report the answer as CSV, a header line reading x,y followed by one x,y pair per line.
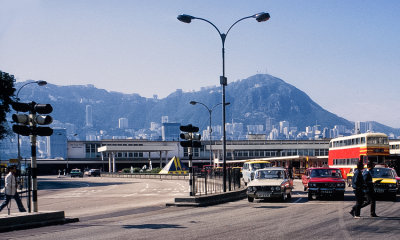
x,y
298,200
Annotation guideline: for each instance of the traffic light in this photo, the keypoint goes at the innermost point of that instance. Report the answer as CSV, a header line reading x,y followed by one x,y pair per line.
x,y
192,138
27,124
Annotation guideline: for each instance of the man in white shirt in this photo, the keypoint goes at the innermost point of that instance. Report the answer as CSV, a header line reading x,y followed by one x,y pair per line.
x,y
11,190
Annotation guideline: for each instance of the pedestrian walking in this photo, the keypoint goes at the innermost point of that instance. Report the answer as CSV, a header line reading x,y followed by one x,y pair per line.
x,y
358,185
11,190
369,189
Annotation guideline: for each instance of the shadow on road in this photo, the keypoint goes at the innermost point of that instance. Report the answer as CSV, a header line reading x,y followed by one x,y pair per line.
x,y
271,207
152,226
54,185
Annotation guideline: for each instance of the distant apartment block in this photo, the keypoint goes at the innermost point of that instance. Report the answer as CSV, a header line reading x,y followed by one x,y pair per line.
x,y
123,123
89,117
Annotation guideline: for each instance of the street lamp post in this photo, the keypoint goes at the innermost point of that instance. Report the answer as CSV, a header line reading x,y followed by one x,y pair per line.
x,y
210,129
33,138
260,17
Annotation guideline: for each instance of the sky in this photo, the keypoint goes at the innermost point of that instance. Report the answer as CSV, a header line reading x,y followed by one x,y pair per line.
x,y
344,54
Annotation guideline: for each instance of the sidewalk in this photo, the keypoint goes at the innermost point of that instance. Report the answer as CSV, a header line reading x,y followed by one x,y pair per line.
x,y
18,221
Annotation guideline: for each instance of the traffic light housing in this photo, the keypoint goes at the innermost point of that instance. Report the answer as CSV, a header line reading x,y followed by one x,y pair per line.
x,y
26,125
192,138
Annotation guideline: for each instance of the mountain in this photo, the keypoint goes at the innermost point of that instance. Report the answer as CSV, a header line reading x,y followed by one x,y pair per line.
x,y
252,102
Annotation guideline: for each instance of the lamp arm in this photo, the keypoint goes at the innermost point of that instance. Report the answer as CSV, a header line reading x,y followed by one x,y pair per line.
x,y
219,32
252,16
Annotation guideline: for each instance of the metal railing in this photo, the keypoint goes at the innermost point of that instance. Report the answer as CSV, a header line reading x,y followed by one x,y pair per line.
x,y
211,181
23,189
205,181
146,175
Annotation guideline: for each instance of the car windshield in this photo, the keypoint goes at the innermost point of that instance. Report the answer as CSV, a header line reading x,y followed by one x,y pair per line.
x,y
382,173
326,173
269,174
256,166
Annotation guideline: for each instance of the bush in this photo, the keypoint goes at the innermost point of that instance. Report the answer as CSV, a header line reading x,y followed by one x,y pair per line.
x,y
155,170
126,170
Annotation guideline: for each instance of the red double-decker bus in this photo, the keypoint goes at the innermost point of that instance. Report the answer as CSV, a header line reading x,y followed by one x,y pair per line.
x,y
345,152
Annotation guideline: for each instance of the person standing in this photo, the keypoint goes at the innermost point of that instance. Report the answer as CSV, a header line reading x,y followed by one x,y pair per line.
x,y
11,190
369,189
358,184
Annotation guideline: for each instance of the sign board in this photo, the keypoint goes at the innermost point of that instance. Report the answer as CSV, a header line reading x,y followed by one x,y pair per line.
x,y
13,160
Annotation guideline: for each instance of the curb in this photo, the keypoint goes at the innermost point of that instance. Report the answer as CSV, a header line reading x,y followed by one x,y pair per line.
x,y
21,221
208,200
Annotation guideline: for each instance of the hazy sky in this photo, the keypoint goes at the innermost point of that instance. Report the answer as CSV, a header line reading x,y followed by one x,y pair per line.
x,y
344,54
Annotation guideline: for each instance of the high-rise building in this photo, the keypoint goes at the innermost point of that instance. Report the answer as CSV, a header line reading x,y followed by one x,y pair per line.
x,y
57,143
269,124
123,123
360,127
154,126
282,126
89,118
170,131
164,119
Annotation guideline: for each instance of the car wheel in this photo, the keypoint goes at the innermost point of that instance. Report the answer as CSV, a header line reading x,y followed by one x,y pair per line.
x,y
250,199
394,197
284,196
340,197
289,196
309,196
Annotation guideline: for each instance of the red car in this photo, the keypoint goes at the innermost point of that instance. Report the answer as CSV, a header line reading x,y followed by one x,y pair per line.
x,y
324,182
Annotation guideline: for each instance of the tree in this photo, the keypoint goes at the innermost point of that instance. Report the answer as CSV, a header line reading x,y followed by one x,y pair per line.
x,y
6,92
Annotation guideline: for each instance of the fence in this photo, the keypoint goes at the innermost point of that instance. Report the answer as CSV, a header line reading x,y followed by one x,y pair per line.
x,y
204,181
24,189
146,175
210,181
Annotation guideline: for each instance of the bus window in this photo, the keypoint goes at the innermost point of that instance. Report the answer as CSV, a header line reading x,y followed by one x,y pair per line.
x,y
362,140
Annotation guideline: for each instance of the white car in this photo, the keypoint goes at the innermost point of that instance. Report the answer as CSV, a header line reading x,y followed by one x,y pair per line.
x,y
250,167
273,182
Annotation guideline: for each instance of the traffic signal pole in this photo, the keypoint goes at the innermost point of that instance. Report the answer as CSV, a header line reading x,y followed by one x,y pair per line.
x,y
33,164
192,140
191,177
34,174
27,126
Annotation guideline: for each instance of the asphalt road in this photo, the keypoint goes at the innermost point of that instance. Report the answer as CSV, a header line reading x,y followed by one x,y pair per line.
x,y
115,209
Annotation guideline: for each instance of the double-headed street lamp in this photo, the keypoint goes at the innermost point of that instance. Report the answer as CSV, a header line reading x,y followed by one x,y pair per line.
x,y
209,129
260,17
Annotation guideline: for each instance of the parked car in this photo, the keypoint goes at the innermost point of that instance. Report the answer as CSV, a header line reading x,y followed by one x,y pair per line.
x,y
273,182
76,173
94,173
250,167
324,182
385,182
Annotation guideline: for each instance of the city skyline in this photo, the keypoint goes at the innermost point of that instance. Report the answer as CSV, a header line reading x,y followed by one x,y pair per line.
x,y
343,54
